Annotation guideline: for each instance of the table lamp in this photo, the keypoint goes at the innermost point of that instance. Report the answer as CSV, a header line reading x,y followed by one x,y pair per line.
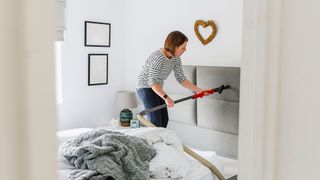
x,y
124,101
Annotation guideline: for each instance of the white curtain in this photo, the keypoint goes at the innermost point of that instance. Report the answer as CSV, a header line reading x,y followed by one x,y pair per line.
x,y
27,101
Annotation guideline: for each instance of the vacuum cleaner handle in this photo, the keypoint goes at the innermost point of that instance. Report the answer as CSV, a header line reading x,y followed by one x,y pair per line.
x,y
195,96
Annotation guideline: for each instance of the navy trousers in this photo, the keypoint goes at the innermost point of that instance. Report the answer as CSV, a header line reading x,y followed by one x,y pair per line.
x,y
150,99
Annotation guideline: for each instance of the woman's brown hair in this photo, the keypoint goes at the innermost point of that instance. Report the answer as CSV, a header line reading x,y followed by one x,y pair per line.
x,y
174,40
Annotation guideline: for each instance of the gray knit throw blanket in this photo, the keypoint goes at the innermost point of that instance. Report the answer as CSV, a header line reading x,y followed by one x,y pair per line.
x,y
101,154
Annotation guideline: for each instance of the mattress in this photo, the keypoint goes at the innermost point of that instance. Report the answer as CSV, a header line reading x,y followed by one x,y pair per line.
x,y
194,170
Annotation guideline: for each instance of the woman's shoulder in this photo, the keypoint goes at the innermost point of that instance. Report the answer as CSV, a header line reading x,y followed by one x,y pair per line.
x,y
157,53
156,56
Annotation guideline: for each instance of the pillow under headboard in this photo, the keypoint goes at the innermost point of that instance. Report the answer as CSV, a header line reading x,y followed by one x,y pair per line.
x,y
215,118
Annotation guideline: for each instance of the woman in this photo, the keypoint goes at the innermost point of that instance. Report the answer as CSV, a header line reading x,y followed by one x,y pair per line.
x,y
156,69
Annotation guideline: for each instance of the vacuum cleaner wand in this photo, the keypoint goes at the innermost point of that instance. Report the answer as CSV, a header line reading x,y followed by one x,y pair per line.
x,y
195,96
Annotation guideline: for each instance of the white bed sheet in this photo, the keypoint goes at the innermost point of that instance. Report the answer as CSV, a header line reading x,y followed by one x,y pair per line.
x,y
227,166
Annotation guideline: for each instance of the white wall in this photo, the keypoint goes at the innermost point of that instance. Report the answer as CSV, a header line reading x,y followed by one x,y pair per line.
x,y
148,22
85,106
138,27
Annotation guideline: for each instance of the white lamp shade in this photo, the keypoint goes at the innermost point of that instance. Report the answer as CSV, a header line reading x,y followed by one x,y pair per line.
x,y
126,99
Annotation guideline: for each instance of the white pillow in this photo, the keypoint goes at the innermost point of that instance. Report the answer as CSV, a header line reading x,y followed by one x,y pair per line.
x,y
169,162
155,135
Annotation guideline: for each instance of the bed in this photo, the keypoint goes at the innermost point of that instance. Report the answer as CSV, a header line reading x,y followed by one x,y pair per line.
x,y
214,119
170,161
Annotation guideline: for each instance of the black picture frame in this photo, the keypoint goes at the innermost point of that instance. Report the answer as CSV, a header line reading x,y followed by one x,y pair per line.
x,y
97,34
97,69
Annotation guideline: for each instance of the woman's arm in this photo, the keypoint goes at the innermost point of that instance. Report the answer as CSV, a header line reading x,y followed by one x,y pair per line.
x,y
181,78
158,90
189,85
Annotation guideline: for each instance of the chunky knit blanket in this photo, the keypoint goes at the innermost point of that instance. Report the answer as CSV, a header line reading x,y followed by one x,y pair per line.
x,y
101,154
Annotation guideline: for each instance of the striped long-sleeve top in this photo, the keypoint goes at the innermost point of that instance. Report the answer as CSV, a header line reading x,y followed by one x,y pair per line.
x,y
157,68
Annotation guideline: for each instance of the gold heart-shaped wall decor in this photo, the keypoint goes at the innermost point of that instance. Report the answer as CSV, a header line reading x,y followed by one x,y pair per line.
x,y
204,25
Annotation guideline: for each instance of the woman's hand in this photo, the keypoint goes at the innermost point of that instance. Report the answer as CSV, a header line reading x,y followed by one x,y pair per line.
x,y
169,102
206,93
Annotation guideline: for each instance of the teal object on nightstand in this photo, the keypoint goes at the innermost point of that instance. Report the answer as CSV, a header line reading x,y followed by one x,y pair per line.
x,y
125,117
134,123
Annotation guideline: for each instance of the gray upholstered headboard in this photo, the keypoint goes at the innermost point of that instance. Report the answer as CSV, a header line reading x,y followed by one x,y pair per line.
x,y
209,123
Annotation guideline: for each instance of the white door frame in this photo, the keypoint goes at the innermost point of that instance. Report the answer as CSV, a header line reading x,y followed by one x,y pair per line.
x,y
27,106
259,89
